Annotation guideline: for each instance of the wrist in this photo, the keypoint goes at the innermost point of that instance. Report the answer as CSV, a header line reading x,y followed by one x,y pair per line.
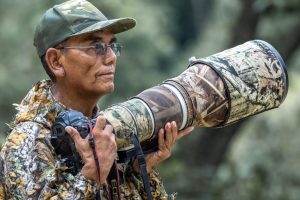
x,y
137,170
88,172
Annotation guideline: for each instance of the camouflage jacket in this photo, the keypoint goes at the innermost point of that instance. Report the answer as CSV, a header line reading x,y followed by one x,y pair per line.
x,y
31,169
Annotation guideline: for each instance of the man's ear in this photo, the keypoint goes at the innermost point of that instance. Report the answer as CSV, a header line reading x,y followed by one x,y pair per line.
x,y
52,58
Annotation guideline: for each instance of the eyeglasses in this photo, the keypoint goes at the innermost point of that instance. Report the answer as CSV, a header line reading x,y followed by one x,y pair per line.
x,y
100,48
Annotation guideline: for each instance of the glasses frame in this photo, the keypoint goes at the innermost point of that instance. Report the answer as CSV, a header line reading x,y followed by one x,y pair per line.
x,y
100,48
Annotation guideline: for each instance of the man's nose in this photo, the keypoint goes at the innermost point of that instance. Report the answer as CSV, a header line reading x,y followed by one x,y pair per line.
x,y
110,57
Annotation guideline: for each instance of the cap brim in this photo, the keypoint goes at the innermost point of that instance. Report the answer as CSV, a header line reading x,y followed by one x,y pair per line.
x,y
115,25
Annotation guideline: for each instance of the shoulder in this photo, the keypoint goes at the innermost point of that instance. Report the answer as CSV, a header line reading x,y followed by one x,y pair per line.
x,y
23,136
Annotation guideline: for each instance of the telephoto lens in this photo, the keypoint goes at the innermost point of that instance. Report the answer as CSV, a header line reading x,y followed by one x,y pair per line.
x,y
212,92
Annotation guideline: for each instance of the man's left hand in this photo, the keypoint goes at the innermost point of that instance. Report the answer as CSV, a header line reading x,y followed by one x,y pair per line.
x,y
166,139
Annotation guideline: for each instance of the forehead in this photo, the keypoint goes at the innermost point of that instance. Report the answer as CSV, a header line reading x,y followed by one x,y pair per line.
x,y
105,36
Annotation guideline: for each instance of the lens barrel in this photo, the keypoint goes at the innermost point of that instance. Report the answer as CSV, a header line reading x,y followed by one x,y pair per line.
x,y
212,92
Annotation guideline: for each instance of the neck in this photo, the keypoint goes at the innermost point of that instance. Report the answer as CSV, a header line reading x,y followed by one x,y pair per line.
x,y
72,99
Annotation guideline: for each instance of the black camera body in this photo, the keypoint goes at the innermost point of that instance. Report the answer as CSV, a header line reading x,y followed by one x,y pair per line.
x,y
63,144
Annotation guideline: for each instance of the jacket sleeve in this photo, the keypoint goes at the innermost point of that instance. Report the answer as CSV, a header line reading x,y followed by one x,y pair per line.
x,y
133,187
2,180
31,170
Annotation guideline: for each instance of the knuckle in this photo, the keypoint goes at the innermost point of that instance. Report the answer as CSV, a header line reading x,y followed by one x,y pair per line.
x,y
108,126
72,134
168,154
113,137
112,141
114,146
101,118
106,133
96,132
96,128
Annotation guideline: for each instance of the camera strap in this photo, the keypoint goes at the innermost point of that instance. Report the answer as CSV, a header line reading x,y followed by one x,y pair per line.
x,y
92,145
142,163
113,181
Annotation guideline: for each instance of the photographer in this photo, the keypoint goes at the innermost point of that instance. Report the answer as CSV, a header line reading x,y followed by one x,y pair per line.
x,y
78,49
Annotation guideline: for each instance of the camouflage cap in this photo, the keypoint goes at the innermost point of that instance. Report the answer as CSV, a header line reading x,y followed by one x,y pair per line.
x,y
71,18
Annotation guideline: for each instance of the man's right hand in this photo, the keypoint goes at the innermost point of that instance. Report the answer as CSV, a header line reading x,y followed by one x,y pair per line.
x,y
105,146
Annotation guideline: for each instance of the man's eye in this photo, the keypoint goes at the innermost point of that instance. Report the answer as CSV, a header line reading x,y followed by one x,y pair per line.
x,y
101,47
114,45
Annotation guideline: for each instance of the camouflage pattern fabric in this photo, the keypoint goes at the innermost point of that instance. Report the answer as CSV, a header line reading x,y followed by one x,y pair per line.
x,y
71,18
164,105
2,181
206,91
254,75
31,168
127,117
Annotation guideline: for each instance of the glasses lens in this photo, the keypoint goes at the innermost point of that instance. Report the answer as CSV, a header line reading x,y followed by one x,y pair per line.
x,y
116,47
101,48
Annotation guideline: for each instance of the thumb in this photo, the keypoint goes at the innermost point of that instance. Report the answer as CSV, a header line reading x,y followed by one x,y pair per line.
x,y
73,133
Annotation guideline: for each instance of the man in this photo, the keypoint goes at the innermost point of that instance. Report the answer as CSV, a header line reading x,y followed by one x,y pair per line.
x,y
78,49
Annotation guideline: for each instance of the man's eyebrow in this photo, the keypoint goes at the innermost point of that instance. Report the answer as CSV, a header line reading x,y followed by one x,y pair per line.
x,y
93,38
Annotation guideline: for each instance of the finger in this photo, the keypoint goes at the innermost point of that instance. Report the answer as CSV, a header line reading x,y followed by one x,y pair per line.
x,y
168,135
174,131
185,132
108,132
171,134
100,123
73,133
112,136
108,128
161,140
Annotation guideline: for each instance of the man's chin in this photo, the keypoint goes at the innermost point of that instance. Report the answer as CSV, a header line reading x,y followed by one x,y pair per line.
x,y
109,89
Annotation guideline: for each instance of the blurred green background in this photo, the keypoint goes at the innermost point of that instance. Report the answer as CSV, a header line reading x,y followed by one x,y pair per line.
x,y
258,158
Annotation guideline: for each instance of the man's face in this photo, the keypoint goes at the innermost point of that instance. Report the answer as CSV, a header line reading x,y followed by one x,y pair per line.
x,y
86,72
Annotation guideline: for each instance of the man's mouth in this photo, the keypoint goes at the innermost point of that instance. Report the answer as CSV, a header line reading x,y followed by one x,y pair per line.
x,y
105,75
